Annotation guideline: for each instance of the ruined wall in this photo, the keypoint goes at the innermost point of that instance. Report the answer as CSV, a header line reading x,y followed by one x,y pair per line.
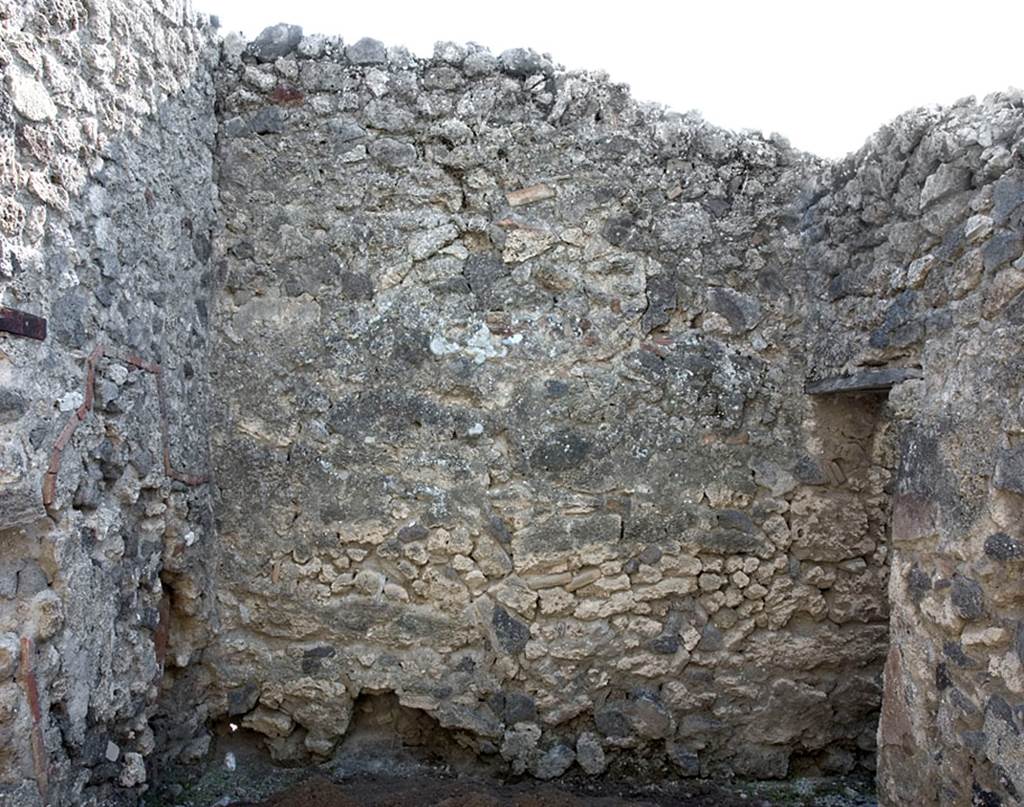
x,y
920,236
506,395
106,205
510,421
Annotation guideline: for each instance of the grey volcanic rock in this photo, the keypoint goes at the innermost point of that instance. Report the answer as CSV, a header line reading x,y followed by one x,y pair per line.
x,y
275,42
367,51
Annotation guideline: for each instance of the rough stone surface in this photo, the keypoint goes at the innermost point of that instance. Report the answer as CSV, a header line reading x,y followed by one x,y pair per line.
x,y
931,280
106,215
30,97
504,382
503,390
276,42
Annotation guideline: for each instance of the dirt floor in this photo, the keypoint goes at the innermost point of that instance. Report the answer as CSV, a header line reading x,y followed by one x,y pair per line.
x,y
323,793
385,774
427,792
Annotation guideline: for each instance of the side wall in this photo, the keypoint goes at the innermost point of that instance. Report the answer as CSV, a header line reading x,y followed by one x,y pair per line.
x,y
106,208
510,422
921,240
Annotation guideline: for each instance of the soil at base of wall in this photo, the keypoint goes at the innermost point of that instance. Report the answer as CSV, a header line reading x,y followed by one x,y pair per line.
x,y
374,772
424,791
427,790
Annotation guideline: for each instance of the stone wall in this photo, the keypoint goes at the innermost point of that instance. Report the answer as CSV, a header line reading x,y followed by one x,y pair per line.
x,y
505,378
510,422
106,209
921,236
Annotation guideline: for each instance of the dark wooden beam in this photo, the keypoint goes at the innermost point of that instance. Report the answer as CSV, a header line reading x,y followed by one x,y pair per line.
x,y
876,380
22,324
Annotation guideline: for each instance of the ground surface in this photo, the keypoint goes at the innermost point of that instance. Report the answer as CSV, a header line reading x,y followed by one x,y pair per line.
x,y
462,793
375,771
333,788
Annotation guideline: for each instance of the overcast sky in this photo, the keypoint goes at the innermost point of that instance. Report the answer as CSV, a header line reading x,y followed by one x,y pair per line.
x,y
825,74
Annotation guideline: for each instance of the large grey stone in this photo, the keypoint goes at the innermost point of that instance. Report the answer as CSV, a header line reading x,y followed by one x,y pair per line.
x,y
275,41
521,62
367,51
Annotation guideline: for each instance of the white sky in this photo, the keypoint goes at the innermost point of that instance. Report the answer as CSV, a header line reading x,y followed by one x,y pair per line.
x,y
825,74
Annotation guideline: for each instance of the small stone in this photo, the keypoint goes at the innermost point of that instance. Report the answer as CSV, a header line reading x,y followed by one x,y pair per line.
x,y
1001,249
112,752
711,638
650,555
68,317
1007,198
590,755
1009,472
47,614
268,722
523,244
988,637
370,582
947,180
31,98
450,53
511,633
479,63
70,401
1000,546
260,79
518,744
642,716
393,153
10,652
918,271
413,532
687,762
967,597
710,582
312,46
691,637
134,771
662,300
514,707
555,761
242,699
492,559
978,227
269,120
355,154
666,645
740,310
13,404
